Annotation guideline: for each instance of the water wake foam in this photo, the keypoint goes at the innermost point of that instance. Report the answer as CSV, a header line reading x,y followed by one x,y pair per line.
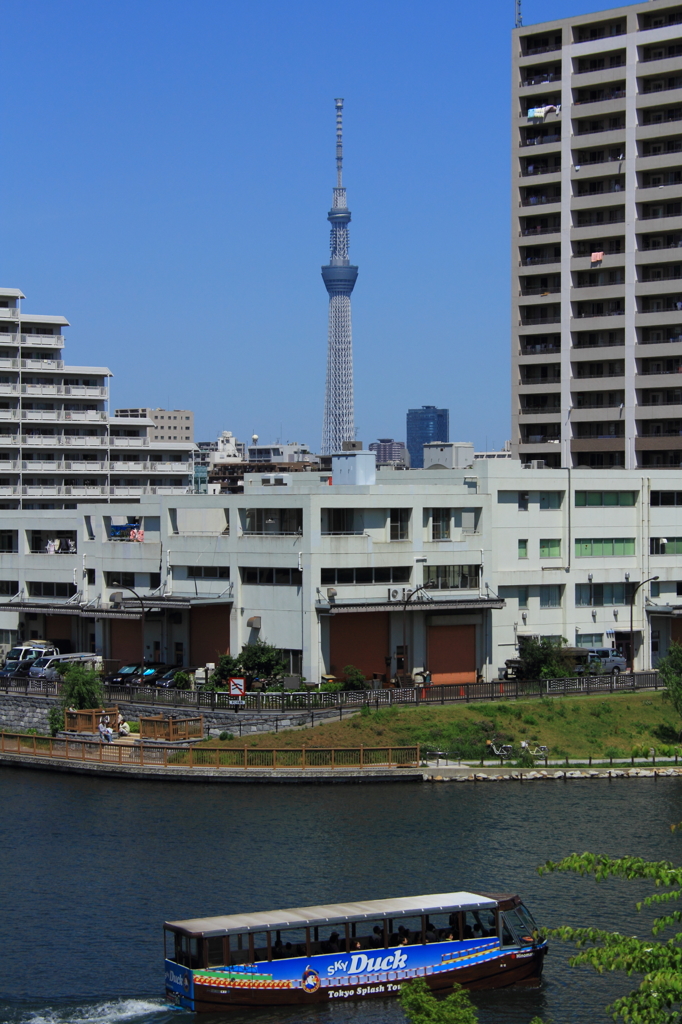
x,y
110,1012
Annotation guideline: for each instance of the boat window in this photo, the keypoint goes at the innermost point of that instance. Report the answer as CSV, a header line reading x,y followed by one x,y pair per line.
x,y
521,925
527,917
441,927
479,924
261,949
289,942
239,949
214,951
404,931
187,951
507,937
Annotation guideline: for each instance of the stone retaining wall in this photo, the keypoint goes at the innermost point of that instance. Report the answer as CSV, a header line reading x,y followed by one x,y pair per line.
x,y
19,712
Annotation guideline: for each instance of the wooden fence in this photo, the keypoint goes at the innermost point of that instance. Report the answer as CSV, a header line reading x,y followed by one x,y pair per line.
x,y
88,720
183,758
156,727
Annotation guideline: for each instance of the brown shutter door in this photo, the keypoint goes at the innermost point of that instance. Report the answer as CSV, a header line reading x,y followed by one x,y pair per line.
x,y
126,640
209,633
360,640
59,631
452,654
676,631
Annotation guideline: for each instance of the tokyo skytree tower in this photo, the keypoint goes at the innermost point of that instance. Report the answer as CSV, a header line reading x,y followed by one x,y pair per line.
x,y
339,279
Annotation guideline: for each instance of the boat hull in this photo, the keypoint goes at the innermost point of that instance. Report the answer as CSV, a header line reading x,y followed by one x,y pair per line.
x,y
473,968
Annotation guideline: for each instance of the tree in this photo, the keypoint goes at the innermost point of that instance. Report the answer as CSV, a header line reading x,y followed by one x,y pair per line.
x,y
354,678
544,658
658,998
226,667
261,660
81,689
670,671
422,1007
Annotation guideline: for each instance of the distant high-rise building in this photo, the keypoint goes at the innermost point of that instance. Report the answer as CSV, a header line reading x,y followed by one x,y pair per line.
x,y
597,230
339,279
388,451
169,424
424,426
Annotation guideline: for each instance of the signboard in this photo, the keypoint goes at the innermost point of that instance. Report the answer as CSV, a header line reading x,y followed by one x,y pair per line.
x,y
237,687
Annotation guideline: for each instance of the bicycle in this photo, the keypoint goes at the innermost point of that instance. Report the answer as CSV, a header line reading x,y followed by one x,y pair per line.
x,y
505,750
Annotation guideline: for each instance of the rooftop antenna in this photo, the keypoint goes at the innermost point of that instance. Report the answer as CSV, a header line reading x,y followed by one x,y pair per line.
x,y
519,16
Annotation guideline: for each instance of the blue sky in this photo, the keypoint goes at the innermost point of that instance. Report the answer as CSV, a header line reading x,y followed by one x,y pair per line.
x,y
167,174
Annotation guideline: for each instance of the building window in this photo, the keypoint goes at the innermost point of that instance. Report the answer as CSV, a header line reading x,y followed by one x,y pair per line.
x,y
522,500
665,545
523,548
607,547
154,580
440,524
655,589
550,499
550,595
452,577
602,595
37,589
400,523
272,577
119,579
273,520
90,577
208,572
8,541
338,521
550,548
666,497
8,588
522,595
365,575
597,499
589,639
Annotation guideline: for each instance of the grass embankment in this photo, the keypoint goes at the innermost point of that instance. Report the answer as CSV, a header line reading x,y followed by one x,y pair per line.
x,y
602,725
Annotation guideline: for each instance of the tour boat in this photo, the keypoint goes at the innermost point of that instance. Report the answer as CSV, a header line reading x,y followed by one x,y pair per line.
x,y
351,951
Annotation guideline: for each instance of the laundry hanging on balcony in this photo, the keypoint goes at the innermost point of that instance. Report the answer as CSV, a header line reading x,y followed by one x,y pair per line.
x,y
540,113
596,257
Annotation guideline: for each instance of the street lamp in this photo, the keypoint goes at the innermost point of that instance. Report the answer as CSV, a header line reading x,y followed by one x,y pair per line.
x,y
115,583
632,632
422,586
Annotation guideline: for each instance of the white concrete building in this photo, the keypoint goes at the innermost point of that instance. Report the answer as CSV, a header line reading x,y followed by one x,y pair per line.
x,y
323,571
58,443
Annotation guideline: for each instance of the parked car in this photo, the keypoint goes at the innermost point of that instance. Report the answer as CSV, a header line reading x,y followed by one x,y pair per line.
x,y
47,667
604,661
15,668
131,675
168,678
30,651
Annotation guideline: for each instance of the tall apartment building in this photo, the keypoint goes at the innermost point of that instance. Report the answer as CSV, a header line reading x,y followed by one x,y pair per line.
x,y
424,426
389,452
169,424
57,441
597,239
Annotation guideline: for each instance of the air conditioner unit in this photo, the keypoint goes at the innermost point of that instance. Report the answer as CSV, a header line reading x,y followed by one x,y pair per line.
x,y
537,464
396,593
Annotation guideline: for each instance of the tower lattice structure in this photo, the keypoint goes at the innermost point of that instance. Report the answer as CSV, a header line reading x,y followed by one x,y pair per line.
x,y
339,278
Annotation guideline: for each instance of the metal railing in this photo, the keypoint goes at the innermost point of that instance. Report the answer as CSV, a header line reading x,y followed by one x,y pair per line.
x,y
305,702
182,758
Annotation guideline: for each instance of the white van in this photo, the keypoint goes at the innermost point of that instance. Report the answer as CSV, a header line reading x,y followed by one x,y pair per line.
x,y
31,650
604,661
46,668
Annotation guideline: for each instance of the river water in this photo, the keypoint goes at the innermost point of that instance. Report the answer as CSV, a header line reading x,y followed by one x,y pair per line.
x,y
90,868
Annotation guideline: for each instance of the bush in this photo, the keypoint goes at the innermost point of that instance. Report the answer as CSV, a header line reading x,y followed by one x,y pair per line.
x,y
81,689
226,736
182,680
544,659
331,687
354,679
421,1007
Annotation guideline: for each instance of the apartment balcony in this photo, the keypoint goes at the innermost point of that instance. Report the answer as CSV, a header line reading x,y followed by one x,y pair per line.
x,y
537,261
39,340
534,51
550,381
604,96
587,372
548,139
9,466
130,442
71,390
8,414
59,416
595,279
9,389
171,467
543,78
662,250
540,229
58,440
552,318
7,313
7,490
42,364
540,201
529,412
540,168
540,348
541,290
653,412
133,492
543,437
54,466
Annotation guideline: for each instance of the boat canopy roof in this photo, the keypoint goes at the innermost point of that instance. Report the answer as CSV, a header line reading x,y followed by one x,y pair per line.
x,y
333,913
